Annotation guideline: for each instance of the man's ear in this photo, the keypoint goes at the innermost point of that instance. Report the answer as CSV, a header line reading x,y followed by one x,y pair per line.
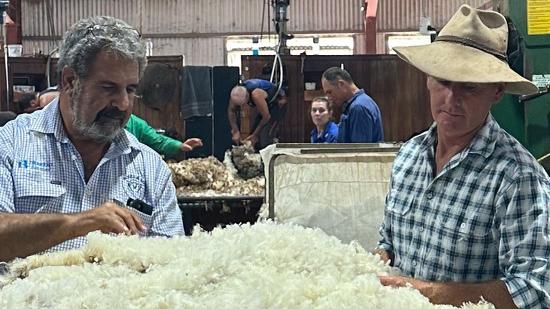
x,y
68,77
499,92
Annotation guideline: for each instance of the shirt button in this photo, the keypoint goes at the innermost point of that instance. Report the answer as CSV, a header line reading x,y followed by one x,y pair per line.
x,y
73,157
429,195
421,229
414,263
463,225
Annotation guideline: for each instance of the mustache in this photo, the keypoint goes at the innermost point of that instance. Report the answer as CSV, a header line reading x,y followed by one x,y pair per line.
x,y
110,113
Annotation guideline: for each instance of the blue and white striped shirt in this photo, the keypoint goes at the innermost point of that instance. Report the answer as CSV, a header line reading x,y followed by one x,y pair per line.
x,y
484,217
42,172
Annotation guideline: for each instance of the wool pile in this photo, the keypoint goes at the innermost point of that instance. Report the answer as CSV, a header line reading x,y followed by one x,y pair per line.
x,y
247,162
210,177
265,265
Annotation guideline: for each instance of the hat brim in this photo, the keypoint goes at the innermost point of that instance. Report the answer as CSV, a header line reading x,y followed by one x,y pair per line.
x,y
460,63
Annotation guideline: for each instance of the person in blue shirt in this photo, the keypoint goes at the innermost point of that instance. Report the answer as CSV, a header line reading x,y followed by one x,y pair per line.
x,y
360,121
269,101
325,130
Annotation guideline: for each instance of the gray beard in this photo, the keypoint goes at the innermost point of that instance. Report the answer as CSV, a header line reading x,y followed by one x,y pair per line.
x,y
102,130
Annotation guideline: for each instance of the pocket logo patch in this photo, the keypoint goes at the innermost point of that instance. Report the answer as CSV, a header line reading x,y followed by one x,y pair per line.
x,y
133,186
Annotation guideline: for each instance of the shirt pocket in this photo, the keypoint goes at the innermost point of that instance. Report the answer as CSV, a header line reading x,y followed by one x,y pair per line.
x,y
33,196
399,202
121,199
467,242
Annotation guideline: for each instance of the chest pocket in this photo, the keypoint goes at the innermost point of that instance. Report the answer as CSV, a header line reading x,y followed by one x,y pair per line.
x,y
125,190
33,196
399,202
474,227
467,239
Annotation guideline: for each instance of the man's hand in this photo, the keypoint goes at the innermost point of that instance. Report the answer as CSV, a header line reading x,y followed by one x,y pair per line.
x,y
236,137
253,139
110,218
385,256
282,101
434,291
190,144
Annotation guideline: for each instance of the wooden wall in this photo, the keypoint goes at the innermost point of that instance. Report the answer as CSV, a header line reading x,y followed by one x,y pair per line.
x,y
398,89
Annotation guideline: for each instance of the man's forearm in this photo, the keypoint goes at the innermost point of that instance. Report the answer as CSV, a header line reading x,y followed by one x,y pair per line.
x,y
232,120
262,124
456,294
22,235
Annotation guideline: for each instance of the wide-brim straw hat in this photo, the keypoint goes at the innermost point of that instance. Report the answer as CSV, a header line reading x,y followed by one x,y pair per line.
x,y
470,48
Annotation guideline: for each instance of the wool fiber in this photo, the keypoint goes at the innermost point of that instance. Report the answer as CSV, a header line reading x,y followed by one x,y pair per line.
x,y
266,265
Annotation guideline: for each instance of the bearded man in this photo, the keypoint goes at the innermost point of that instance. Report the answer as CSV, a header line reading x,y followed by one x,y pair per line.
x,y
70,168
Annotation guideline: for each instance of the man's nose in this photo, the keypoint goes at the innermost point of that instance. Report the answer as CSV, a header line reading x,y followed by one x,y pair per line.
x,y
123,100
454,94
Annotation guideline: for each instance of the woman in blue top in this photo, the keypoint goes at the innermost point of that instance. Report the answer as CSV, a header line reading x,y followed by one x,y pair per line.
x,y
325,130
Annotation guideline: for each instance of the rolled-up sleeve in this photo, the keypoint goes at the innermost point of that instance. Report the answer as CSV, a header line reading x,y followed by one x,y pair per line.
x,y
385,242
524,251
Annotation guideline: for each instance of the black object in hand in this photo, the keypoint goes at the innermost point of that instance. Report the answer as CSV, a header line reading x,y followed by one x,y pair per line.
x,y
140,206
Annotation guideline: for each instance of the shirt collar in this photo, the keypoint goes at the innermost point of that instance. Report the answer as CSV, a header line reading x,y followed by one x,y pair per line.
x,y
355,95
486,138
483,142
48,121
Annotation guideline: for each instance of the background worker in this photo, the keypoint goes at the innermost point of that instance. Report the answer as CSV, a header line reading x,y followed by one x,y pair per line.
x,y
30,102
270,104
361,121
325,131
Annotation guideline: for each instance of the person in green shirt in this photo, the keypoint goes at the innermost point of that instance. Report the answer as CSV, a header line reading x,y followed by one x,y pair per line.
x,y
147,135
160,143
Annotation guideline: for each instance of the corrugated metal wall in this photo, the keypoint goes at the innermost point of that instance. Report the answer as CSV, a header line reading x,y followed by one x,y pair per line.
x,y
404,15
197,28
51,18
208,51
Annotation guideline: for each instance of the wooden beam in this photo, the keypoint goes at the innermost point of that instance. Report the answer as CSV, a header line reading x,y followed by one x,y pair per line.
x,y
370,9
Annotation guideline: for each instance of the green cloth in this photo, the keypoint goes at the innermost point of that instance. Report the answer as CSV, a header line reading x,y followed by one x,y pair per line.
x,y
147,135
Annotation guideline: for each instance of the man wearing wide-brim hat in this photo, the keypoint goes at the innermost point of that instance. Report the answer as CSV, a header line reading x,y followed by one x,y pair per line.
x,y
467,214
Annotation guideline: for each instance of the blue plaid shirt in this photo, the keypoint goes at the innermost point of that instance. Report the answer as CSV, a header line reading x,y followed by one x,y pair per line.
x,y
42,172
484,217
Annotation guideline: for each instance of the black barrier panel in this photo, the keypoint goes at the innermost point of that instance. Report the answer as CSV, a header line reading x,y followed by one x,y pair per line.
x,y
200,127
223,80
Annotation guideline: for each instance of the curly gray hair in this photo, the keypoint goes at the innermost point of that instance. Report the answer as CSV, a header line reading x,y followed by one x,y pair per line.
x,y
90,36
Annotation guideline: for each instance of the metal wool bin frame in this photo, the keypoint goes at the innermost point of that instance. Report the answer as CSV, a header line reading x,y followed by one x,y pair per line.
x,y
303,187
318,149
212,211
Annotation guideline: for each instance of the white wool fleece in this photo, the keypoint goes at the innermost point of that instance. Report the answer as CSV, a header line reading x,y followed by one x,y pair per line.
x,y
265,265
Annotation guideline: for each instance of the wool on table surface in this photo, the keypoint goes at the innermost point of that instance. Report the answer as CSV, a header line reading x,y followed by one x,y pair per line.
x,y
266,265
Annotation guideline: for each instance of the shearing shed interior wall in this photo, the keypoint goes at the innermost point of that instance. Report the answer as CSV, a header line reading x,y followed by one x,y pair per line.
x,y
197,28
